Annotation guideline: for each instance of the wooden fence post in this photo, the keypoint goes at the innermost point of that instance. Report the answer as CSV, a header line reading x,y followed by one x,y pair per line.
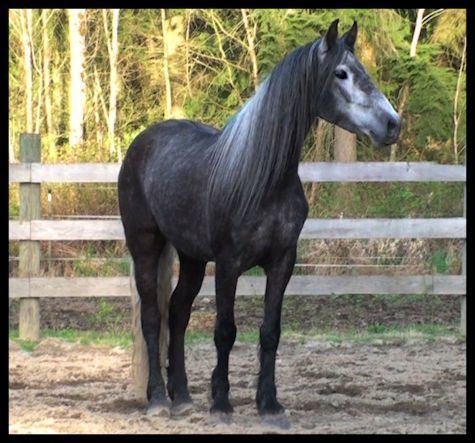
x,y
29,256
463,298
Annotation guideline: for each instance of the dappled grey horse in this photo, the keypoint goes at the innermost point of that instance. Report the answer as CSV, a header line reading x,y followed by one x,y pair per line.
x,y
234,197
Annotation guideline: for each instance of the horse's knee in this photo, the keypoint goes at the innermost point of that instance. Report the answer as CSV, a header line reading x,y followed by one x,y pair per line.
x,y
224,333
269,337
179,314
150,319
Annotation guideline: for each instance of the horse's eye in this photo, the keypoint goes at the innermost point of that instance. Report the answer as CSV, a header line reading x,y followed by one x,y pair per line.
x,y
341,74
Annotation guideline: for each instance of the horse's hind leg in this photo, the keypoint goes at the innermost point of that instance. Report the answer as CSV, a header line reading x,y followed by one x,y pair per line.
x,y
145,246
188,286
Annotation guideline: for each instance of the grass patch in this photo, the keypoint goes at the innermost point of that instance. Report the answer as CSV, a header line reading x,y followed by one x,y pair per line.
x,y
197,337
123,340
379,334
25,345
373,334
107,316
256,271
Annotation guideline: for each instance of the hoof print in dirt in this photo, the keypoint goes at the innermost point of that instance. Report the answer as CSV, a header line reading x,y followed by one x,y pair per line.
x,y
159,410
220,418
276,421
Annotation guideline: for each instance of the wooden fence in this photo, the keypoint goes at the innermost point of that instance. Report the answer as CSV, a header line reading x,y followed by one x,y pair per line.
x,y
30,230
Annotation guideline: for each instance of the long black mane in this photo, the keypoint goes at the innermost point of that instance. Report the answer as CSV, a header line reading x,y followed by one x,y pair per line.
x,y
263,140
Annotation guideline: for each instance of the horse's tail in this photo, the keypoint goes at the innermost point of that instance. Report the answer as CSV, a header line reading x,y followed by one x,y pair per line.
x,y
164,292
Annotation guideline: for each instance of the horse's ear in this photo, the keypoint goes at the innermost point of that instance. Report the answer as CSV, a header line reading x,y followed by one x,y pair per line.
x,y
350,36
331,36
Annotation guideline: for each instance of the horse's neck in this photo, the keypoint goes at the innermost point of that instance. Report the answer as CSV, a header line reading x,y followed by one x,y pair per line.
x,y
260,148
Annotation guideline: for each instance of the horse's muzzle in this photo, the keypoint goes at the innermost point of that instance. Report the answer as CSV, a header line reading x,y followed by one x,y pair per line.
x,y
393,129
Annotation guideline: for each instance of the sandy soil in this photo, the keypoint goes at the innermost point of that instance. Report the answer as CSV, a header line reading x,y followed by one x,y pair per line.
x,y
413,388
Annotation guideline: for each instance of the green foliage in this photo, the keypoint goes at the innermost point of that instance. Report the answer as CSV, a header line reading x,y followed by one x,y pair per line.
x,y
215,75
108,317
281,31
379,329
450,31
429,112
93,266
27,345
439,262
13,202
256,271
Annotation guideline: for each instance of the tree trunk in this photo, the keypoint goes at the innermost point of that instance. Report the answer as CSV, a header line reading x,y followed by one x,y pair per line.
x,y
251,49
38,107
25,21
344,150
456,99
187,53
47,89
60,98
166,73
344,145
174,52
77,87
405,88
112,46
417,32
97,117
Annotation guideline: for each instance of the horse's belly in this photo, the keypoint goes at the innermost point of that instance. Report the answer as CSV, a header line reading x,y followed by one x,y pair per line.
x,y
190,241
181,221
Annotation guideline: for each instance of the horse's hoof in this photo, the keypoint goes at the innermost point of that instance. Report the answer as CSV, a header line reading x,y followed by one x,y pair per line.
x,y
161,409
279,421
183,408
220,418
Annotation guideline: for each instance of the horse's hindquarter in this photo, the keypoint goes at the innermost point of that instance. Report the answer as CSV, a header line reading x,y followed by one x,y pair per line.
x,y
175,184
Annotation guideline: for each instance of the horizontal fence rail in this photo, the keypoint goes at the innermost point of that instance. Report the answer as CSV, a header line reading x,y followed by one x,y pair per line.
x,y
313,229
30,230
309,172
247,285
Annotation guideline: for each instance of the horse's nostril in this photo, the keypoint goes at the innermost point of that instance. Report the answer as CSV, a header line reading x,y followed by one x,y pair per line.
x,y
394,124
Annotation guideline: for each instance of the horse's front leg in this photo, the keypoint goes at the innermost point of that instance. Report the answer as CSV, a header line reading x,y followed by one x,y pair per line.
x,y
224,336
278,273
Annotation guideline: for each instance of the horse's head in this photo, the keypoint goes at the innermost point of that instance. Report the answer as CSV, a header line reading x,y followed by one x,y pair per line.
x,y
348,97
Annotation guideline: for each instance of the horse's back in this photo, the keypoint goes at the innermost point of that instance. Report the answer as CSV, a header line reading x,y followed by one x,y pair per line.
x,y
163,143
175,134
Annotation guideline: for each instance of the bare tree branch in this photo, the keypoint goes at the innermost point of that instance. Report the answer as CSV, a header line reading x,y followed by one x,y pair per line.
x,y
251,49
456,99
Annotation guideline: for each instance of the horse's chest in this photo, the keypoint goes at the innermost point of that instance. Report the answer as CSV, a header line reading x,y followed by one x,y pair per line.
x,y
276,229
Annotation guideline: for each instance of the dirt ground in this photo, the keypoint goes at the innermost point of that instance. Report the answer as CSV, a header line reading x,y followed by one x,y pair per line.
x,y
411,388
